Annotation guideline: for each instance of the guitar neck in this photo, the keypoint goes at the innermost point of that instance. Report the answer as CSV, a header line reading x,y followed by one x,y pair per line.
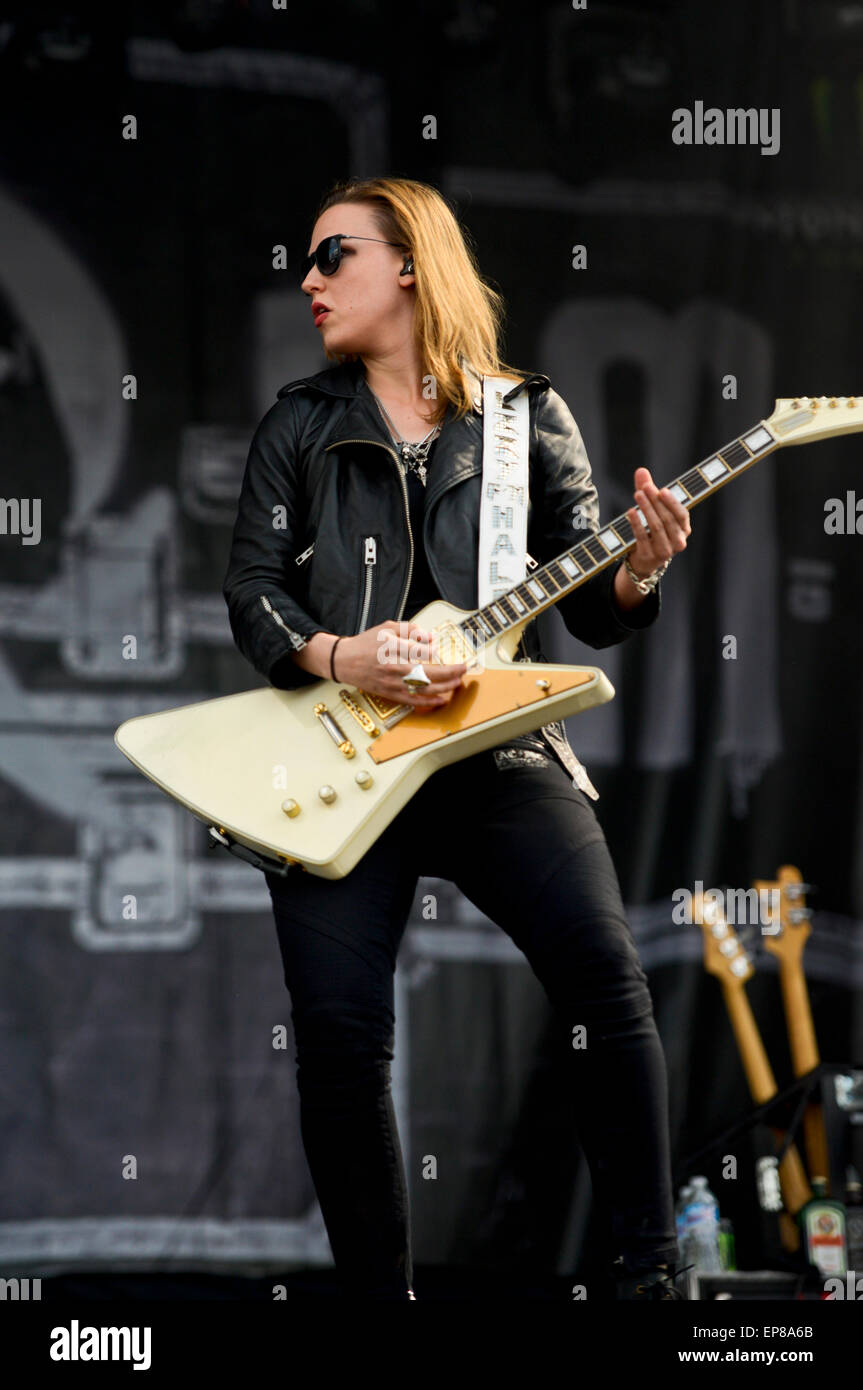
x,y
759,1073
762,1084
798,1017
548,584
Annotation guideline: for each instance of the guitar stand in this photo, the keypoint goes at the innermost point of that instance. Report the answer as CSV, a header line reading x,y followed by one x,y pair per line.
x,y
802,1086
802,1091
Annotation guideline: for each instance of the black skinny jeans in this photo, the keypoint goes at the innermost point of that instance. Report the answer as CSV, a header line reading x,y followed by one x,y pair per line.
x,y
525,846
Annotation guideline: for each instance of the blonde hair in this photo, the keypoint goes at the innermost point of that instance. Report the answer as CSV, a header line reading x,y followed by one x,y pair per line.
x,y
457,316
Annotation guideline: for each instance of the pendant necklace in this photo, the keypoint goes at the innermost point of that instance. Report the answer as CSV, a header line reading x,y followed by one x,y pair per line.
x,y
414,456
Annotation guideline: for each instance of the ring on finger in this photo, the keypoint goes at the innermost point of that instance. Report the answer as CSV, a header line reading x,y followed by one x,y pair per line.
x,y
416,678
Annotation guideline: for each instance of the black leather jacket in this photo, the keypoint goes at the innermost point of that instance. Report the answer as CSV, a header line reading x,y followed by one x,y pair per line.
x,y
322,476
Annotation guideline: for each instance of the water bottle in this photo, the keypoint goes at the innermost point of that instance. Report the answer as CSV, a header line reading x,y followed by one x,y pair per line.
x,y
701,1229
680,1213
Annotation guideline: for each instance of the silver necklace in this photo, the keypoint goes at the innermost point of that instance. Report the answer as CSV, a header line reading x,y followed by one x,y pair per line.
x,y
414,456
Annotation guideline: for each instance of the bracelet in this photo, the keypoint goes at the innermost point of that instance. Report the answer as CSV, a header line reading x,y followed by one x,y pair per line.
x,y
647,585
332,654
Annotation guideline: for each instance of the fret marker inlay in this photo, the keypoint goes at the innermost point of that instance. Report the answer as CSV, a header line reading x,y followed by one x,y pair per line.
x,y
758,439
714,468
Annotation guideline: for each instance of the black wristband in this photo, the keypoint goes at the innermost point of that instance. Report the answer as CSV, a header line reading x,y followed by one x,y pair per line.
x,y
332,655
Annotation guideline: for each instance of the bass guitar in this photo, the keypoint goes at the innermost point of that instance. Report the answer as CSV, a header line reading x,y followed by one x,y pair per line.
x,y
787,946
725,958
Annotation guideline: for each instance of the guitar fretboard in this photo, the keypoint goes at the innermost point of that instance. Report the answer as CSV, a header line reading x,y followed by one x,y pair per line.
x,y
550,583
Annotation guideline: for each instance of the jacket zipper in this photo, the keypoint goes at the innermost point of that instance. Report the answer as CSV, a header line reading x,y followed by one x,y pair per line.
x,y
370,559
404,488
531,562
297,639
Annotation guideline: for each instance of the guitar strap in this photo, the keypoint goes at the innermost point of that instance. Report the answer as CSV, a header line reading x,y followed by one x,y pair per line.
x,y
503,507
503,557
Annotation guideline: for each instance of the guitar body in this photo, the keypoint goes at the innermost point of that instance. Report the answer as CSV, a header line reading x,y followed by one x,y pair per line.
x,y
313,776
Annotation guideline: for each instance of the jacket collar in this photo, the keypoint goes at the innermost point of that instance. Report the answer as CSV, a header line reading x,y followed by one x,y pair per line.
x,y
459,448
344,379
347,379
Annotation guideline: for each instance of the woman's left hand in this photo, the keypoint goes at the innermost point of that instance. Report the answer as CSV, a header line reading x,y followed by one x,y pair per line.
x,y
667,519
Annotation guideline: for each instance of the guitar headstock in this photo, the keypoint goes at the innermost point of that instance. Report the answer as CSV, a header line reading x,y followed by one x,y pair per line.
x,y
794,921
723,954
796,419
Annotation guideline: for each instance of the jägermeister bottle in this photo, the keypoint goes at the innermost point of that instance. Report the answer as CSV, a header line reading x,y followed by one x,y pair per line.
x,y
822,1221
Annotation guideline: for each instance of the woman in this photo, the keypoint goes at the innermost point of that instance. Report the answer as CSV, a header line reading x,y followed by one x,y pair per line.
x,y
360,503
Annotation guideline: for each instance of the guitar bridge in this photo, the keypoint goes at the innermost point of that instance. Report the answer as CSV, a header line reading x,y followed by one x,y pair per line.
x,y
336,734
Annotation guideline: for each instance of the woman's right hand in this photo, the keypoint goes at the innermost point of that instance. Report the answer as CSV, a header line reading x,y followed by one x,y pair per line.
x,y
377,659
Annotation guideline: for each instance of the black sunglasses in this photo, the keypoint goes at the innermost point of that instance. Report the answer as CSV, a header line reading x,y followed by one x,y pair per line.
x,y
327,255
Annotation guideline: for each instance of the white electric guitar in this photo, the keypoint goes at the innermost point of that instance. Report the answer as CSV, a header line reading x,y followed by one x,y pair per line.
x,y
313,776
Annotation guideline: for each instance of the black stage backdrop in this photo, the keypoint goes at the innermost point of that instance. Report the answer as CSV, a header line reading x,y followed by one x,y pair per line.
x,y
148,1120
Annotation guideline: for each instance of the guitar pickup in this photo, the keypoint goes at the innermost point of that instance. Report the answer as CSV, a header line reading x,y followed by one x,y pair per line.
x,y
364,720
